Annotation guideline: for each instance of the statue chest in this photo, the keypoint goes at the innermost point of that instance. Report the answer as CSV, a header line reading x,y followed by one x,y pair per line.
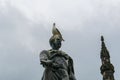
x,y
59,59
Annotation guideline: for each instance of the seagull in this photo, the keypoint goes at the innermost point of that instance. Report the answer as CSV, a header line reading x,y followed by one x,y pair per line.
x,y
55,31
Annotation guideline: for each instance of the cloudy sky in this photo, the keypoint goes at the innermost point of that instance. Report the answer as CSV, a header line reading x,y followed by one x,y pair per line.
x,y
25,29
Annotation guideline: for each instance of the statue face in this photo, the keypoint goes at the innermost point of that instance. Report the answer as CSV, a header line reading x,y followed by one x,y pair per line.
x,y
55,42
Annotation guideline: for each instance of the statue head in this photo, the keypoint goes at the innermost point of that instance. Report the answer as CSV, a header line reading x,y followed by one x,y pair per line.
x,y
55,42
56,39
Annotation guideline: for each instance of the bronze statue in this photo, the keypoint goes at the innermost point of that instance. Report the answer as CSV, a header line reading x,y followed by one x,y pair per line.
x,y
58,65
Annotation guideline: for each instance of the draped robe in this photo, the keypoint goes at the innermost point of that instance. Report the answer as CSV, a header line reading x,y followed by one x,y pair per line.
x,y
60,65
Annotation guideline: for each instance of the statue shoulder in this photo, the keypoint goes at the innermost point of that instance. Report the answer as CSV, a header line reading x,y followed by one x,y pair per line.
x,y
65,54
62,52
44,53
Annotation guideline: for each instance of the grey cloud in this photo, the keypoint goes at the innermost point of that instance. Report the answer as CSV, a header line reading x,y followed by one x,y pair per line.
x,y
19,55
22,39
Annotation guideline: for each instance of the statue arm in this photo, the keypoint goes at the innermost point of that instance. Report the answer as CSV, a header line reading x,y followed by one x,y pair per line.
x,y
44,58
71,69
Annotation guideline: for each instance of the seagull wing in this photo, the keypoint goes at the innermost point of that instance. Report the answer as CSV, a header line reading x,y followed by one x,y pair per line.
x,y
55,31
59,34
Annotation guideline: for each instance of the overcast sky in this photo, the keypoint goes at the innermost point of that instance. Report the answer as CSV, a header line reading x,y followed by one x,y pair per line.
x,y
25,29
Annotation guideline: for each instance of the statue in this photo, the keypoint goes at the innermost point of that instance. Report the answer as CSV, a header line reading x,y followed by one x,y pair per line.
x,y
58,65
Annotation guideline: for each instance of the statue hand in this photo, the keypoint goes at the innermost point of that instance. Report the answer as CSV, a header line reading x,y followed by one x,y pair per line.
x,y
46,62
55,65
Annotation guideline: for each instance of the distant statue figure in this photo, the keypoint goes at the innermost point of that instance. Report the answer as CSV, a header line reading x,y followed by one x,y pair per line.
x,y
58,65
107,69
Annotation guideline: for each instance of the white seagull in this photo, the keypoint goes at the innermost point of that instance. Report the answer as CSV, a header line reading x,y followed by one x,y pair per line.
x,y
55,31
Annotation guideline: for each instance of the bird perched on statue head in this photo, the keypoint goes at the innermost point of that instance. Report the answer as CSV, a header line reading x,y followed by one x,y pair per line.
x,y
55,31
